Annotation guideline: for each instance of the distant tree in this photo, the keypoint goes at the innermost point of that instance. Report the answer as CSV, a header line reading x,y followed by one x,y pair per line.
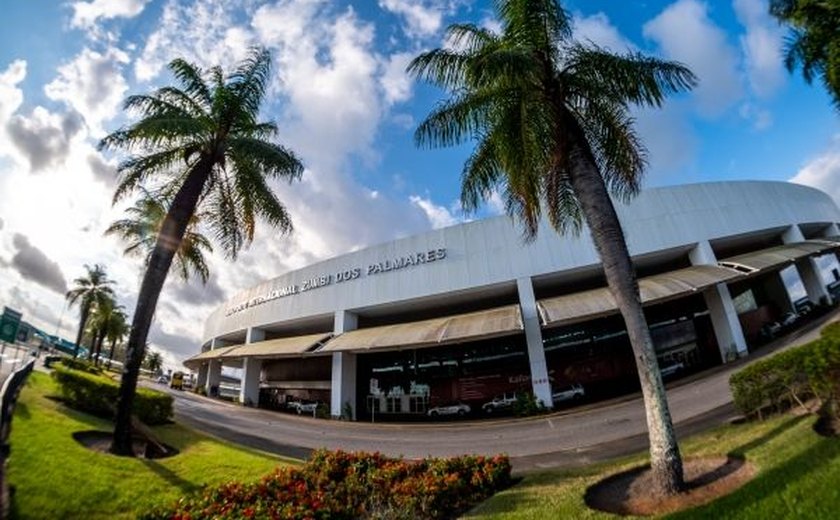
x,y
203,143
153,362
550,120
89,291
814,40
141,228
116,331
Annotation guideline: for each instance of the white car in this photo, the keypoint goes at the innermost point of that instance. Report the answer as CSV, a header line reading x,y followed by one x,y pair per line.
x,y
671,369
302,407
500,402
459,409
568,393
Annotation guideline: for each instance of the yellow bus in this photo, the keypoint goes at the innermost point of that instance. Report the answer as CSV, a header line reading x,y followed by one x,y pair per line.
x,y
177,381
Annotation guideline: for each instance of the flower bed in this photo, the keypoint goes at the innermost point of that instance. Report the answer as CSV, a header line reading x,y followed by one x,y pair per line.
x,y
342,485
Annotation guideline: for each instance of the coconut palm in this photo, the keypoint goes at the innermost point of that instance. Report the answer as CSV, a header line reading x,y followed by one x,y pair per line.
x,y
102,318
814,40
142,225
550,119
153,362
202,143
116,330
89,291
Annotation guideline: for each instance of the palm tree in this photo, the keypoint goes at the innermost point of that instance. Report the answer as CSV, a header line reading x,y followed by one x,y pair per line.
x,y
102,318
203,143
116,330
550,119
89,291
142,225
814,40
153,362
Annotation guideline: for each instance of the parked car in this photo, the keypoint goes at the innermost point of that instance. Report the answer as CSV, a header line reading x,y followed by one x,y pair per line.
x,y
769,330
670,369
568,393
163,380
303,407
457,408
788,319
500,402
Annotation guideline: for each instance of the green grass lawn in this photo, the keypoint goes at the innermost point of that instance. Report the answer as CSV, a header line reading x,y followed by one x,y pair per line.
x,y
55,477
798,477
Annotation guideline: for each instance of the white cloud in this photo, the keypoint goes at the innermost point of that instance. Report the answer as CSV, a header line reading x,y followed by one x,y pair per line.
x,y
395,81
762,47
496,204
85,14
685,33
598,29
422,17
11,96
202,32
439,216
92,84
761,118
823,172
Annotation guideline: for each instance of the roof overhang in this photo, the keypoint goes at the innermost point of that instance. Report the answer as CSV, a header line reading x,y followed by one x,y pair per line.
x,y
573,308
502,321
775,257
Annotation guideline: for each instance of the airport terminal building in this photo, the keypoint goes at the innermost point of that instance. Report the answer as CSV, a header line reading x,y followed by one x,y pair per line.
x,y
467,312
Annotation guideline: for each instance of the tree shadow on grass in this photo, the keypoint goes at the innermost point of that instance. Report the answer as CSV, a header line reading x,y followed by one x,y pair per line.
x,y
21,411
172,478
772,481
742,450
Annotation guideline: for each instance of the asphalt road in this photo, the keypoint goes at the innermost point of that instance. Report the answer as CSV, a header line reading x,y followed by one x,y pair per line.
x,y
580,436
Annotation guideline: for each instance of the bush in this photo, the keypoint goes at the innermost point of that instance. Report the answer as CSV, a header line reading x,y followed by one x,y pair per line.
x,y
342,485
775,383
97,395
81,365
527,404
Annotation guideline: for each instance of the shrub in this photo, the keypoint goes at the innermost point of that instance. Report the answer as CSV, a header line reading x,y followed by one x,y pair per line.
x,y
81,365
527,404
779,381
97,395
342,485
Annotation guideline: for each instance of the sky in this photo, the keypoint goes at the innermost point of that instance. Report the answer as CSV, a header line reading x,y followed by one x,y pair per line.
x,y
344,104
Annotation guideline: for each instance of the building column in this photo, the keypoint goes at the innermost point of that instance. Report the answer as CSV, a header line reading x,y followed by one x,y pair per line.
x,y
727,327
343,384
201,378
809,271
249,387
540,384
214,376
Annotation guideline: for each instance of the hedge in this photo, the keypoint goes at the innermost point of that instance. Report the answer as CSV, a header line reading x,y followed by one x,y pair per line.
x,y
790,377
81,365
97,395
341,485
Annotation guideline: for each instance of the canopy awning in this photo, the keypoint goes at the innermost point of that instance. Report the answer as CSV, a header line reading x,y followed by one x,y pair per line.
x,y
772,257
430,333
207,355
277,347
585,305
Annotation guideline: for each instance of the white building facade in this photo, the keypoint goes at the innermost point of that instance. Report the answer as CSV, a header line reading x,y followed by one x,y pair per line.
x,y
469,311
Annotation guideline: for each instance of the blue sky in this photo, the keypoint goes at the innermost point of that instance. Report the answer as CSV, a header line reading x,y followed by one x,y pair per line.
x,y
347,107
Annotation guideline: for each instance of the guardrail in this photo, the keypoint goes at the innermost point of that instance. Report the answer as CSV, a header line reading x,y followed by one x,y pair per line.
x,y
8,398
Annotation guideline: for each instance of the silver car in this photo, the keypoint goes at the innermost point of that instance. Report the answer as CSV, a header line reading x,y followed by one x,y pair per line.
x,y
459,409
568,393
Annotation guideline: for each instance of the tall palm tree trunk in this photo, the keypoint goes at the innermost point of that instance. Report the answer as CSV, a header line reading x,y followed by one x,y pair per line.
x,y
82,322
601,217
99,341
168,241
111,352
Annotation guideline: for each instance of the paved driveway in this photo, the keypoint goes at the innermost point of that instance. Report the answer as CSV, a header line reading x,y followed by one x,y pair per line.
x,y
577,437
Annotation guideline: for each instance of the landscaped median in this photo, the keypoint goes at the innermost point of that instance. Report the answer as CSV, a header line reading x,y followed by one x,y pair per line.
x,y
56,477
